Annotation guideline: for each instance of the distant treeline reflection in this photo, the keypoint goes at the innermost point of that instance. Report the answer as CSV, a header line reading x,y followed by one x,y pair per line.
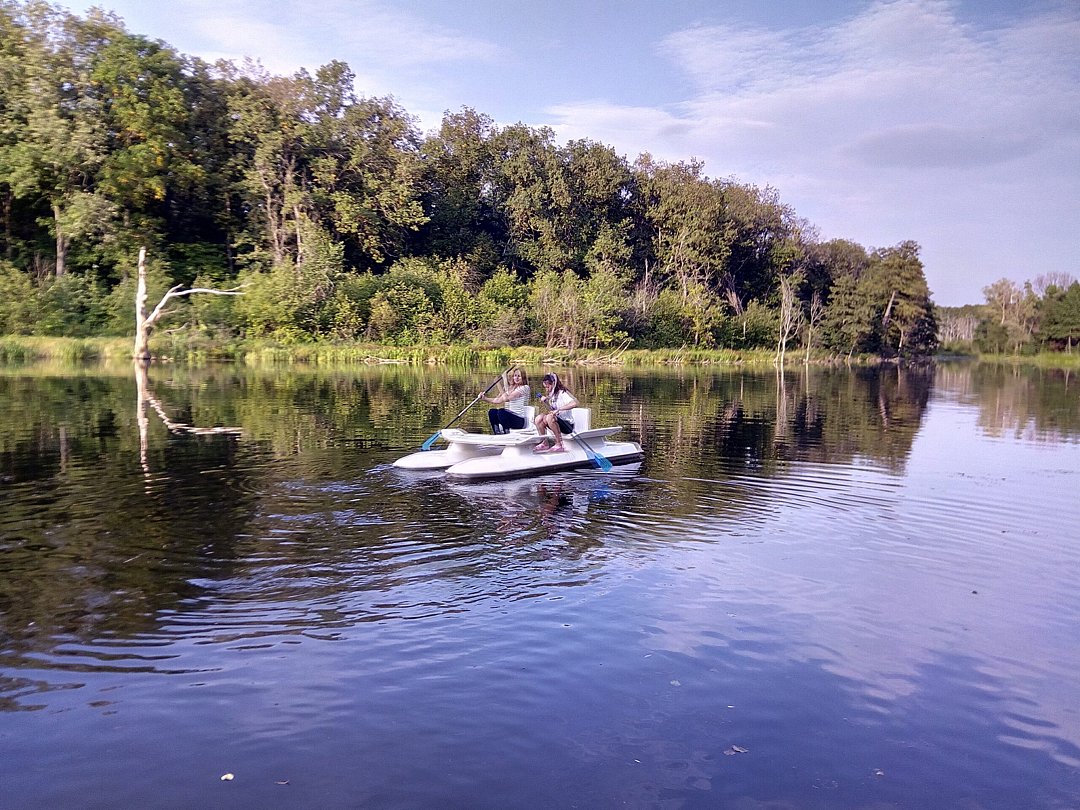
x,y
680,415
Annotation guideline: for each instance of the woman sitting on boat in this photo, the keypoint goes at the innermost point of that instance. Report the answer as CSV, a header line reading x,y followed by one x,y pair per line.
x,y
515,396
559,419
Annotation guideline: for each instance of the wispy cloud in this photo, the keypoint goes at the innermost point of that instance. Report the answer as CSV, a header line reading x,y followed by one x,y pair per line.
x,y
903,108
377,40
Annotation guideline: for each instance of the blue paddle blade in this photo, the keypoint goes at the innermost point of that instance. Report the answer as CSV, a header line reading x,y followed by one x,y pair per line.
x,y
599,461
431,440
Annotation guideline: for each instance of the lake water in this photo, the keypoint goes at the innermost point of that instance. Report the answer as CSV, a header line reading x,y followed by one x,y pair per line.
x,y
832,590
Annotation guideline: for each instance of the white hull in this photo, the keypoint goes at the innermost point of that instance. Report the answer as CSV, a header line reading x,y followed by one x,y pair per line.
x,y
476,456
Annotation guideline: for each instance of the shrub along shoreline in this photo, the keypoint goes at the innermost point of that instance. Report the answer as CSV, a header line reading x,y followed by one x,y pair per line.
x,y
17,349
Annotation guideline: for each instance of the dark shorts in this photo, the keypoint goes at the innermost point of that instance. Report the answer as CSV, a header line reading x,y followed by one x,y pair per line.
x,y
564,425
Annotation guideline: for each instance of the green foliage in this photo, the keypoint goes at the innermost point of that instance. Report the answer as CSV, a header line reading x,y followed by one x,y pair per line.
x,y
1061,318
119,304
667,325
17,301
757,326
603,301
501,310
71,306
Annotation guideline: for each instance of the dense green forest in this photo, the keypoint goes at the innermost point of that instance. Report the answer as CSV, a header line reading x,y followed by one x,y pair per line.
x,y
344,222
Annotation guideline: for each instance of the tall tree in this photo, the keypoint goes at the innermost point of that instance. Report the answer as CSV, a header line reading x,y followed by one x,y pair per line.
x,y
895,288
685,212
366,173
1061,316
62,140
460,165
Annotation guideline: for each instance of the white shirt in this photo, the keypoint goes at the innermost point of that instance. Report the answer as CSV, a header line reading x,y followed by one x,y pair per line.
x,y
563,399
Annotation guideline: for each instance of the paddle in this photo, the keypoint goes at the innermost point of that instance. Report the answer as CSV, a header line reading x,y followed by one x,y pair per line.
x,y
597,459
435,436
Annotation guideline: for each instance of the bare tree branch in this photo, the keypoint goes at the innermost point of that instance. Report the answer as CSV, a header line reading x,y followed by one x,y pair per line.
x,y
144,323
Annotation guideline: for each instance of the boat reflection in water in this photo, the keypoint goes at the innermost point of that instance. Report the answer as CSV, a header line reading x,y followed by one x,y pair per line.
x,y
556,505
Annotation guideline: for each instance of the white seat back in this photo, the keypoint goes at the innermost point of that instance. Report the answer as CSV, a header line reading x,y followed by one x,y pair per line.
x,y
582,419
530,412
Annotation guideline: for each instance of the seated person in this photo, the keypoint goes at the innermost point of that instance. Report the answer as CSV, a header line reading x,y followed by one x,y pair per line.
x,y
559,419
515,396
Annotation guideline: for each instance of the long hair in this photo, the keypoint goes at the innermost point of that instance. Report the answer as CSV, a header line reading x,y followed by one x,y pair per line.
x,y
520,370
556,383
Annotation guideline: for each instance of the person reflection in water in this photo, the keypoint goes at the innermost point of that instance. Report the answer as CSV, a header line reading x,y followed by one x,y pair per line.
x,y
515,396
551,500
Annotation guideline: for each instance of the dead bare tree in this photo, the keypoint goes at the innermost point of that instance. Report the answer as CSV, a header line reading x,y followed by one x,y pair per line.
x,y
790,316
813,317
144,323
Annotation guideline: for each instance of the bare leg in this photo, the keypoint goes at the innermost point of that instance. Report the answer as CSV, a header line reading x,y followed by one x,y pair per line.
x,y
542,423
555,431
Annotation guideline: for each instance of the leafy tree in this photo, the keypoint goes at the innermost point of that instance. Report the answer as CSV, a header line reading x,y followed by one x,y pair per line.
x,y
1014,309
895,288
1061,317
71,306
501,308
763,241
685,213
534,197
51,105
828,262
603,300
366,178
848,324
460,171
18,297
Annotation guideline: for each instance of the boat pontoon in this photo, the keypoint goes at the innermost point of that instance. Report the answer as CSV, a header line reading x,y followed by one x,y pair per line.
x,y
478,456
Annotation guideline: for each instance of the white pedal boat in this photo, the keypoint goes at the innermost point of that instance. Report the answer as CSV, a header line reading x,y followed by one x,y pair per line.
x,y
480,456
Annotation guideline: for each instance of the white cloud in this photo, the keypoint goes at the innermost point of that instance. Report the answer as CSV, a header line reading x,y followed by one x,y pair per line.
x,y
903,110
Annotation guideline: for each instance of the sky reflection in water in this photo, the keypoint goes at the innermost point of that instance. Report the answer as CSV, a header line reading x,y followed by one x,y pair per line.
x,y
849,590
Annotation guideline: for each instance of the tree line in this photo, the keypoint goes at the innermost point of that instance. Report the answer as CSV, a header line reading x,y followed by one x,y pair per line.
x,y
344,222
1040,315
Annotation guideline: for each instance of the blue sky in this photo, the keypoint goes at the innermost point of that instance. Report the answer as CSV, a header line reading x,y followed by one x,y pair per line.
x,y
953,123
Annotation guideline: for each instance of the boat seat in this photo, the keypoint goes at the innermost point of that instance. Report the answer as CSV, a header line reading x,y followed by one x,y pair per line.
x,y
530,413
581,419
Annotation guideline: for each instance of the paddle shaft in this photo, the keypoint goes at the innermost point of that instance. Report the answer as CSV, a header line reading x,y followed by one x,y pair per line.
x,y
434,436
596,458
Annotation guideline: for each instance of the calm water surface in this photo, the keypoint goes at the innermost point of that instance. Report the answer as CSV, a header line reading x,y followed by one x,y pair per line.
x,y
831,590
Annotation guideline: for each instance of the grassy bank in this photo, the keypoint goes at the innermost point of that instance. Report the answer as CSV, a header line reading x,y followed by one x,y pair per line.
x,y
19,350
16,349
1042,360
469,356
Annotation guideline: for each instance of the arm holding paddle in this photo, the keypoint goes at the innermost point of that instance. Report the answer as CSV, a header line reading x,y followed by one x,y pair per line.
x,y
514,397
434,437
